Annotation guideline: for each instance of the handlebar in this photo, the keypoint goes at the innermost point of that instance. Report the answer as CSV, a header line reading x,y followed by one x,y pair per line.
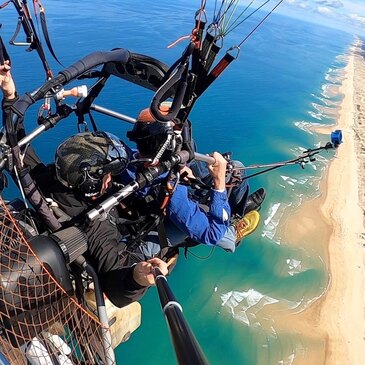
x,y
205,158
92,60
69,74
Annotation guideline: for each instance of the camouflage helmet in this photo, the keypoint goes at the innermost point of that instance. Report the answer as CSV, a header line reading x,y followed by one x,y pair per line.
x,y
84,159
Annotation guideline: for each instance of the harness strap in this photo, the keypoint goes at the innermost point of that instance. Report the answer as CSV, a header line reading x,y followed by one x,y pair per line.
x,y
45,29
189,242
60,214
126,221
162,237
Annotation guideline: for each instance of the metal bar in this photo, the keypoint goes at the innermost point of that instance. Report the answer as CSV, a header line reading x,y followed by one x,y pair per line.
x,y
112,113
200,157
102,314
32,135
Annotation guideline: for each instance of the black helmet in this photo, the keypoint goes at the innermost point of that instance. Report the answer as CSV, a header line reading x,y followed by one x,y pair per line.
x,y
83,160
149,134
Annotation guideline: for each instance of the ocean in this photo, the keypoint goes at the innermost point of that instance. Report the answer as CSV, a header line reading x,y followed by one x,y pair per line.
x,y
285,79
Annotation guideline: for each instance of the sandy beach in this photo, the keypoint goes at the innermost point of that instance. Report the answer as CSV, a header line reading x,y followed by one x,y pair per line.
x,y
338,317
342,311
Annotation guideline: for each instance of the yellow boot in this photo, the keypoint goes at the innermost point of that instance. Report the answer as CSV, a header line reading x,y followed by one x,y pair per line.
x,y
246,225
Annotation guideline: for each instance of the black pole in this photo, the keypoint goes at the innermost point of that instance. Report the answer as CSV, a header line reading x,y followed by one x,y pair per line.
x,y
187,349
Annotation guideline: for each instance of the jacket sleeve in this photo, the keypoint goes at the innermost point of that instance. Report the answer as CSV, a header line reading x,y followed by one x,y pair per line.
x,y
6,109
120,287
116,277
207,228
6,105
31,158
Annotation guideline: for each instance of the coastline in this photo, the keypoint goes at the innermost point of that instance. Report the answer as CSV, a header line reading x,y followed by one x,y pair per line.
x,y
342,310
337,318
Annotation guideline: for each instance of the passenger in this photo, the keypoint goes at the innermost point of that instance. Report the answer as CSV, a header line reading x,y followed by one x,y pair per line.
x,y
85,165
83,172
228,219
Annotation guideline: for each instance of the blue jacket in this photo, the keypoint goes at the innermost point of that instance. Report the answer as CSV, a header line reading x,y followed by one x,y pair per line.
x,y
204,227
189,219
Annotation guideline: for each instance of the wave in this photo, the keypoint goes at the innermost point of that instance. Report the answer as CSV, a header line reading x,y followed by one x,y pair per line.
x,y
295,266
246,306
335,74
288,361
326,101
292,181
315,115
326,111
330,91
272,221
307,126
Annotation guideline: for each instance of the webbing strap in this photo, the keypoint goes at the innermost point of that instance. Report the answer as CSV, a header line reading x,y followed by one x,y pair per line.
x,y
162,237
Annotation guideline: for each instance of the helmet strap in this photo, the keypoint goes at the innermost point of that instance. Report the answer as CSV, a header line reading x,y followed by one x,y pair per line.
x,y
163,148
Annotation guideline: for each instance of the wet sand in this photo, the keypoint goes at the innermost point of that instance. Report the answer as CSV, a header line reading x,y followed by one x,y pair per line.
x,y
337,215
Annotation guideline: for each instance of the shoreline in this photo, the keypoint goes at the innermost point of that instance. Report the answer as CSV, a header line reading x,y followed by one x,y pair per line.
x,y
337,318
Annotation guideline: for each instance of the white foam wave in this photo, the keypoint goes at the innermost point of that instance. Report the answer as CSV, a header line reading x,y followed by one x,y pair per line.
x,y
271,222
325,101
295,266
314,115
324,92
272,212
330,91
333,78
245,306
305,126
288,361
342,58
325,111
292,181
334,75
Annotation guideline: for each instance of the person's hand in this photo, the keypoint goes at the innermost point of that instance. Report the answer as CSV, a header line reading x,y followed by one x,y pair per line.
x,y
6,81
142,272
187,174
218,171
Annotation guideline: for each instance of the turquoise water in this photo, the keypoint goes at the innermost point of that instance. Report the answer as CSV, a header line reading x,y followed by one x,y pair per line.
x,y
285,79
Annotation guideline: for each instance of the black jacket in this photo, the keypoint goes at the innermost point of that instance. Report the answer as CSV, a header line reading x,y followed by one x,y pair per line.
x,y
104,242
